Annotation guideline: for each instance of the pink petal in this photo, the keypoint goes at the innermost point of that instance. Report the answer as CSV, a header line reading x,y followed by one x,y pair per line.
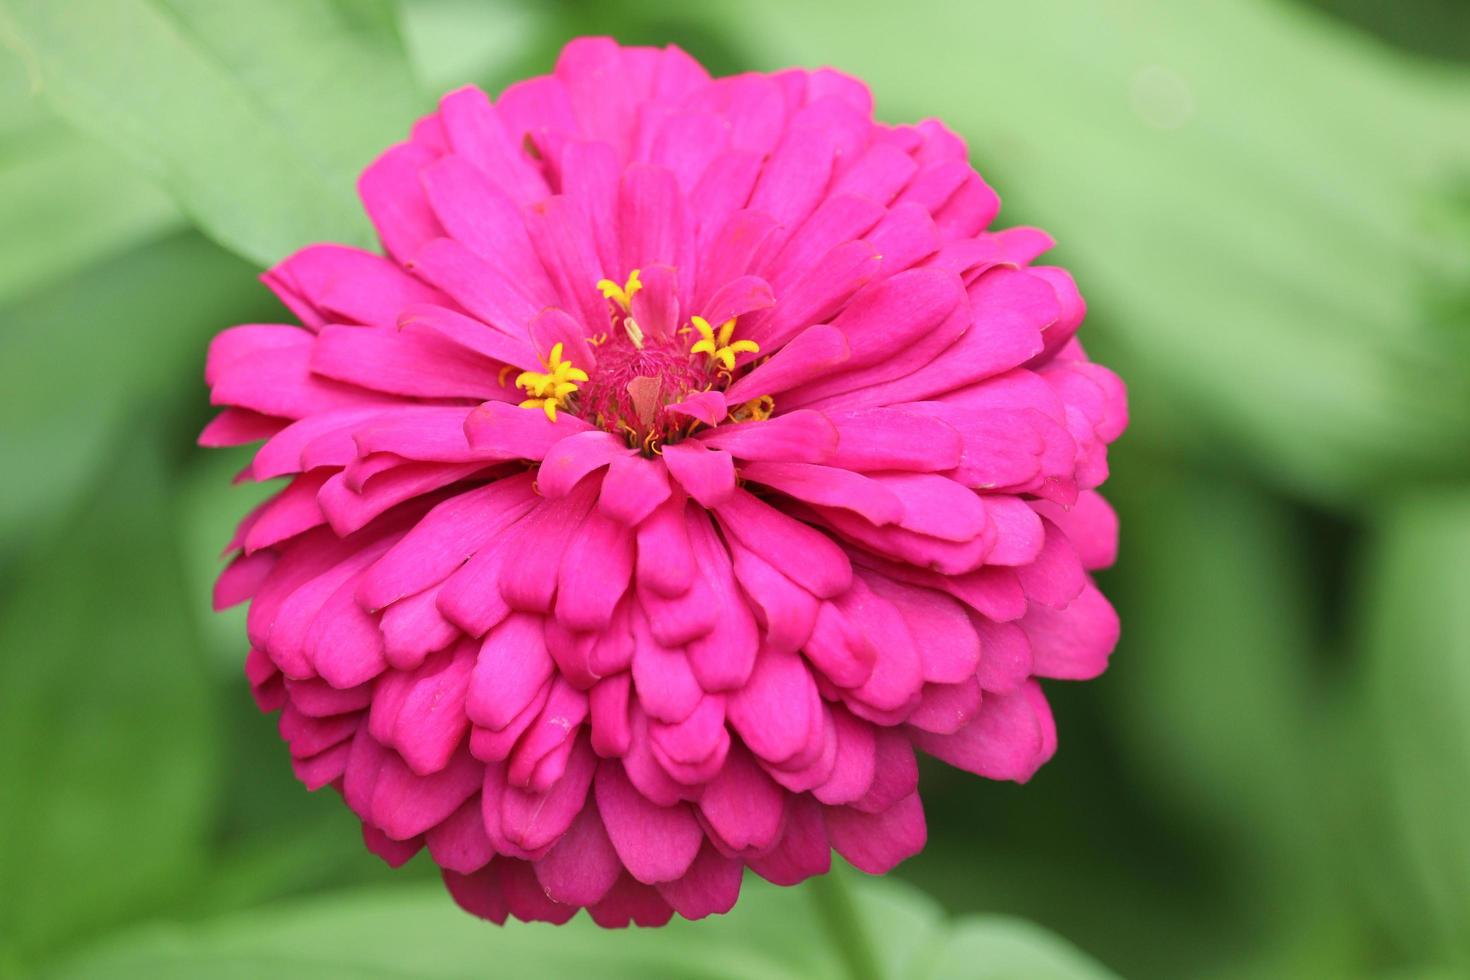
x,y
878,842
475,130
1072,643
508,432
1005,655
1009,738
633,488
511,668
811,353
459,843
787,611
405,805
709,887
742,805
1090,524
706,475
772,712
595,572
390,192
894,439
608,706
444,539
582,866
802,851
829,486
654,843
807,556
532,820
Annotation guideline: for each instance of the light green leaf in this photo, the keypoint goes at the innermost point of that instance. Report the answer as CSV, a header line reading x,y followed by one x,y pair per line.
x,y
1418,644
75,357
462,42
256,117
772,934
999,948
69,200
1214,585
1218,700
1243,190
105,717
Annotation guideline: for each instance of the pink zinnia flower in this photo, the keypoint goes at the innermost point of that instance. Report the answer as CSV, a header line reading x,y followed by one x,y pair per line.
x,y
694,456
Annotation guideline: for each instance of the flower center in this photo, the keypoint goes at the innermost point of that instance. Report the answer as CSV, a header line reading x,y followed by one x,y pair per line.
x,y
640,381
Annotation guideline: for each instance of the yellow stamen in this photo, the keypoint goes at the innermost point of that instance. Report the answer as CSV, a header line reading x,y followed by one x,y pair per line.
x,y
718,346
550,390
621,295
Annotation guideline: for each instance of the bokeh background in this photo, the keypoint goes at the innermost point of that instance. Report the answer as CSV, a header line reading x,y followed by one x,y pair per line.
x,y
1267,204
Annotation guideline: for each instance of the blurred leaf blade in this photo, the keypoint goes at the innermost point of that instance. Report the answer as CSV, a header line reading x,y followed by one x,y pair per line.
x,y
76,357
772,934
256,118
1418,645
1252,251
110,758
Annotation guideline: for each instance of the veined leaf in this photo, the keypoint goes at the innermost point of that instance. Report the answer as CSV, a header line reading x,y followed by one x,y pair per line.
x,y
772,934
1418,645
109,755
256,117
1243,190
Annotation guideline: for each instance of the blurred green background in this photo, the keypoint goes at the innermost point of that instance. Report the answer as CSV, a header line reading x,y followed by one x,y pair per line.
x,y
1267,205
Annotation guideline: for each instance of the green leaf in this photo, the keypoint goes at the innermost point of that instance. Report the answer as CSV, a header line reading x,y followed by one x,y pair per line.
x,y
105,716
71,199
1418,645
1255,253
75,357
462,42
1216,596
999,948
772,934
1220,708
256,117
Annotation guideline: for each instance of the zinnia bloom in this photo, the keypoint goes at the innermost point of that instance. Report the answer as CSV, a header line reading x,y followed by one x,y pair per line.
x,y
693,456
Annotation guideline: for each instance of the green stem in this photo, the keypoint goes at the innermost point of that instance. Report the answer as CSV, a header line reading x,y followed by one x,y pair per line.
x,y
838,911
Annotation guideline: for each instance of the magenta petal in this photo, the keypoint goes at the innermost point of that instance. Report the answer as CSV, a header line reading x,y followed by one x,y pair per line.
x,y
532,820
894,439
706,475
802,851
390,192
798,437
810,354
742,805
630,902
508,432
405,805
574,457
665,558
512,666
582,866
829,486
633,488
808,557
655,843
459,844
1090,524
878,842
1072,643
788,611
709,887
1009,738
478,893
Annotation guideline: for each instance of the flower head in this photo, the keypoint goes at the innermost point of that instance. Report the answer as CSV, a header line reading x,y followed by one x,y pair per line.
x,y
693,457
